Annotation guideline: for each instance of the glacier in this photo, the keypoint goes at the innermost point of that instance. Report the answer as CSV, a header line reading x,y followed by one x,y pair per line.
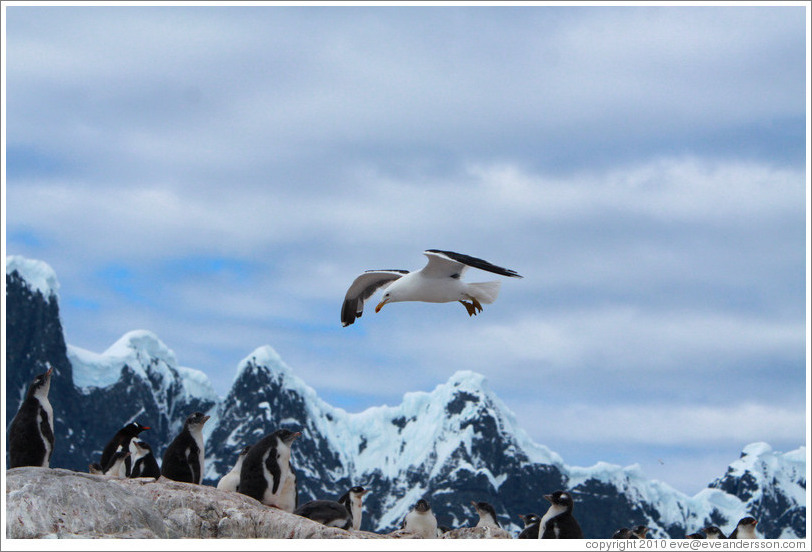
x,y
454,443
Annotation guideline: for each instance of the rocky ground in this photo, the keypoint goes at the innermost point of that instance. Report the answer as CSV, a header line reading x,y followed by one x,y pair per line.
x,y
58,503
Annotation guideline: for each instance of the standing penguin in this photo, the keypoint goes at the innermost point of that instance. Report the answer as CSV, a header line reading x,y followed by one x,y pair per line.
x,y
558,522
121,441
183,458
487,515
117,466
421,521
745,529
267,474
231,480
353,500
31,433
531,526
142,460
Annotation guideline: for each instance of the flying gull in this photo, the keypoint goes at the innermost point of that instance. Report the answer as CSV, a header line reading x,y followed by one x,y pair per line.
x,y
437,282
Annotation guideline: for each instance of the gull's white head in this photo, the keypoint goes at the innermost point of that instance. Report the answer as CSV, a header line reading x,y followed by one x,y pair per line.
x,y
392,294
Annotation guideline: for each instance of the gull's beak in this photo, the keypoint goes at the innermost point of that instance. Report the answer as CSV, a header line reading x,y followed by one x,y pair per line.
x,y
380,305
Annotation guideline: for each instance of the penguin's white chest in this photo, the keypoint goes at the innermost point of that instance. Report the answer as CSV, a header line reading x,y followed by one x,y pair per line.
x,y
422,523
285,496
49,412
231,480
198,437
552,512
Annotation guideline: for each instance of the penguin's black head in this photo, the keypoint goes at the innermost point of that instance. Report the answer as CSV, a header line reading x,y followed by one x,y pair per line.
x,y
530,519
745,521
422,506
560,498
41,383
713,531
287,436
142,445
622,533
484,507
133,428
196,419
359,490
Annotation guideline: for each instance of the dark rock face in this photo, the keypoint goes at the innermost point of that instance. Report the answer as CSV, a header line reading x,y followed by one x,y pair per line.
x,y
471,454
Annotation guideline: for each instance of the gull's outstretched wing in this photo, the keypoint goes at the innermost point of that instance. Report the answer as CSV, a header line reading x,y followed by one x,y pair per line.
x,y
448,263
362,289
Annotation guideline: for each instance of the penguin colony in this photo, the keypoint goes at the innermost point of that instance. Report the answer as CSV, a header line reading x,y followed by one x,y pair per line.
x,y
264,471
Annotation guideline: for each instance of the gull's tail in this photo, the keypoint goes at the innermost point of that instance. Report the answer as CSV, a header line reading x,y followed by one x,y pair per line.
x,y
484,292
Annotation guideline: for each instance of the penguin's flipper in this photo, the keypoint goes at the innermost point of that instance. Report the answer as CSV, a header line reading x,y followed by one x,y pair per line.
x,y
272,463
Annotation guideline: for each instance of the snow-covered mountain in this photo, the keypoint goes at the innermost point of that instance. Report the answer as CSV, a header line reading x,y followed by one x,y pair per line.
x,y
454,444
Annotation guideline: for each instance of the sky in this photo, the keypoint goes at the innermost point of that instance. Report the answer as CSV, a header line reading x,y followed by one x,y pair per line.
x,y
220,175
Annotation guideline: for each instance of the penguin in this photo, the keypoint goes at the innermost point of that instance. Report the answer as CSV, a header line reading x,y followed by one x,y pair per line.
x,y
697,535
353,501
326,512
640,531
487,515
117,466
267,474
624,533
31,433
121,441
558,522
231,480
183,458
713,532
531,526
421,521
745,529
142,460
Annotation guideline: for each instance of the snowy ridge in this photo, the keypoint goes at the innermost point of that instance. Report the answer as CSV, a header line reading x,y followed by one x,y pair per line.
x,y
37,274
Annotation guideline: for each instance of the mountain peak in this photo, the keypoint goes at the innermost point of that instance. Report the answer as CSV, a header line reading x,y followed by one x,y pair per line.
x,y
37,274
145,341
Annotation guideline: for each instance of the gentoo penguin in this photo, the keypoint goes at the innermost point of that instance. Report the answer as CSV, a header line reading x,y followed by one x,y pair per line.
x,y
531,526
267,474
640,531
31,433
183,459
326,512
117,466
624,533
421,521
713,532
487,515
353,500
745,529
558,522
231,480
121,441
142,461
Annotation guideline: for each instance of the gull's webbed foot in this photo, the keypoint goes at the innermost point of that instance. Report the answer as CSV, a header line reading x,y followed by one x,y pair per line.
x,y
470,307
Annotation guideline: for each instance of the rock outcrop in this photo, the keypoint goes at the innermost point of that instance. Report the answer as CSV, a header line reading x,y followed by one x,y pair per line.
x,y
58,503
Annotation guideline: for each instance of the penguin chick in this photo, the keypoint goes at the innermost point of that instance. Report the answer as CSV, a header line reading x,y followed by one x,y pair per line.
x,y
121,441
531,526
713,532
487,515
142,460
640,531
231,480
421,521
31,433
558,522
326,512
267,474
118,466
353,500
745,529
183,458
